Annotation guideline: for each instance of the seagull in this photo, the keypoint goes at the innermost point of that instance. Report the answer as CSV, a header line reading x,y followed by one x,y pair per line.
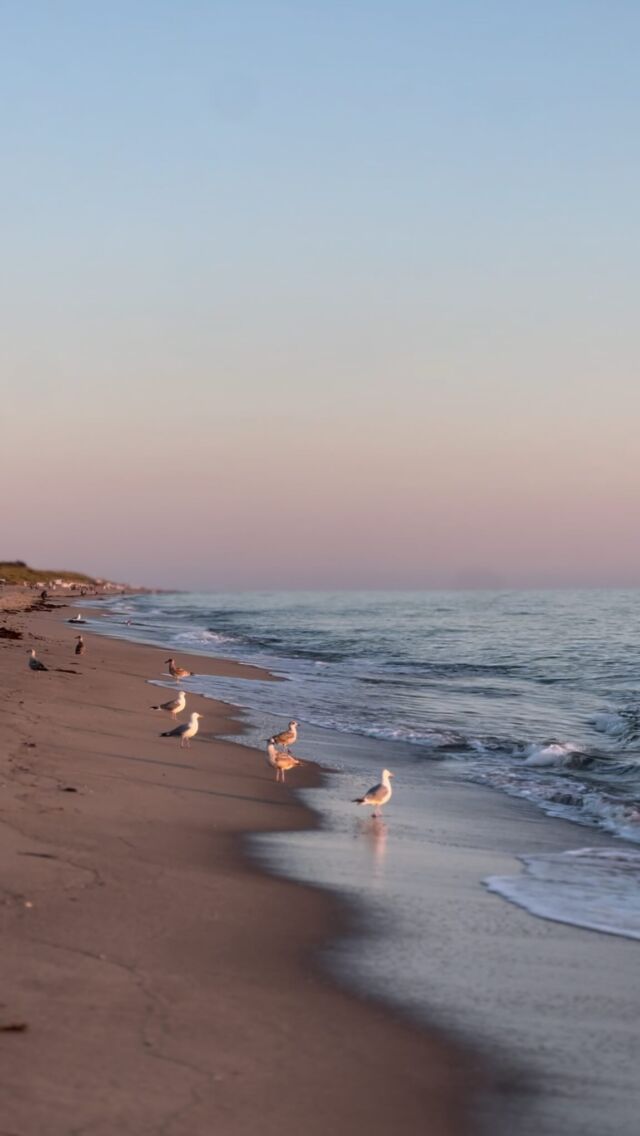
x,y
287,737
379,795
79,645
35,664
175,706
185,732
281,762
77,619
177,672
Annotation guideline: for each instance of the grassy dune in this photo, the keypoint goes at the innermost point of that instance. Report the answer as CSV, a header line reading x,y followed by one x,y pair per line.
x,y
17,572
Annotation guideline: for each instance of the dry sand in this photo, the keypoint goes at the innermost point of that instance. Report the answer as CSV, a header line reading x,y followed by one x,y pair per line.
x,y
167,986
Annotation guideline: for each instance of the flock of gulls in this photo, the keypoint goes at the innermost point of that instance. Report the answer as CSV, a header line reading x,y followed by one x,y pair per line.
x,y
279,756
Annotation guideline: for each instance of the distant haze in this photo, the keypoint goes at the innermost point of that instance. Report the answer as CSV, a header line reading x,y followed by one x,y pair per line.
x,y
322,296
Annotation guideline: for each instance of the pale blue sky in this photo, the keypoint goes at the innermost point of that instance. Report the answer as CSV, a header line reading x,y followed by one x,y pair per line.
x,y
403,233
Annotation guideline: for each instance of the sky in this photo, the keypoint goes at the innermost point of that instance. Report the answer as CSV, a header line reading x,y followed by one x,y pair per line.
x,y
339,295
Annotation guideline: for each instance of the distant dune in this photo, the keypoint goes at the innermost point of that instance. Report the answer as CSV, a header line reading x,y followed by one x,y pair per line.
x,y
17,572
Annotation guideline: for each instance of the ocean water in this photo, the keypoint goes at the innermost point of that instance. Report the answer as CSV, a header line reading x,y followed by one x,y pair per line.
x,y
533,694
512,724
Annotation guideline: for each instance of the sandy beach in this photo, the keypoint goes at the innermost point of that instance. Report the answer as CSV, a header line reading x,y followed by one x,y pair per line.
x,y
163,983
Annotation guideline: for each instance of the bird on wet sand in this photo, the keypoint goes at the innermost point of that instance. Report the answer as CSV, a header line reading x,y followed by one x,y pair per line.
x,y
177,672
185,732
35,664
287,737
378,795
79,645
174,706
281,762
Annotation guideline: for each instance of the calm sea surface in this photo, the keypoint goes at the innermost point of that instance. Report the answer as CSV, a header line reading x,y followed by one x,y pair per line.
x,y
535,694
532,696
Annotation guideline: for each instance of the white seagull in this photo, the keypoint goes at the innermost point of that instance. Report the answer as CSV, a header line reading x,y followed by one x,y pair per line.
x,y
176,671
287,737
379,794
175,706
281,762
35,664
185,732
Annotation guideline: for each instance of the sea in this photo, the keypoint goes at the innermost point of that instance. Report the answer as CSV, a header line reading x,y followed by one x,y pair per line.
x,y
535,694
514,696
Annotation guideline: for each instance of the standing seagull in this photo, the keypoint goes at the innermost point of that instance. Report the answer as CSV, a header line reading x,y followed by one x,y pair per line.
x,y
287,737
177,672
79,645
185,732
35,664
175,706
281,762
379,795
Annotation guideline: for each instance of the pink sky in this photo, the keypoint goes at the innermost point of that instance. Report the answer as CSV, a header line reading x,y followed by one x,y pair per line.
x,y
451,495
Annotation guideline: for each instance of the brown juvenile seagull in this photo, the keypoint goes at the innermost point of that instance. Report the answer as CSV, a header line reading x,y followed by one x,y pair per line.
x,y
185,732
287,737
281,762
177,672
175,706
79,645
379,795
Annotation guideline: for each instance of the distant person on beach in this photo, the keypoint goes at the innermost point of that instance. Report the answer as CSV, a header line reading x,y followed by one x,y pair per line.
x,y
44,595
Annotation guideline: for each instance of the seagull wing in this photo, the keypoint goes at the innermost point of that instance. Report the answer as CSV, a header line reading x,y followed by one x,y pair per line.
x,y
175,733
376,795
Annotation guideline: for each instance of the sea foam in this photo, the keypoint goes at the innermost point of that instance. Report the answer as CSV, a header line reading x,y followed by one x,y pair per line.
x,y
596,888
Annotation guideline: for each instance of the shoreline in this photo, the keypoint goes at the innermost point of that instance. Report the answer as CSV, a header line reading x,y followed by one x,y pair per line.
x,y
554,1005
541,1013
149,829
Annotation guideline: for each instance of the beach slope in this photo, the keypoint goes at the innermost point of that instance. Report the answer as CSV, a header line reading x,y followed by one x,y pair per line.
x,y
164,985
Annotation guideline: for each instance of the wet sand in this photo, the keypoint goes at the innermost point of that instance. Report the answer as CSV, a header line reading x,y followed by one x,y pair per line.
x,y
554,1006
166,985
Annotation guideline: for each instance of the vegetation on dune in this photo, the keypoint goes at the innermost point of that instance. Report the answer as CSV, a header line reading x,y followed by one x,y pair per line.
x,y
17,572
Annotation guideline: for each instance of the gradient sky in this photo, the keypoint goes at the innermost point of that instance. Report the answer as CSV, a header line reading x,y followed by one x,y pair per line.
x,y
333,294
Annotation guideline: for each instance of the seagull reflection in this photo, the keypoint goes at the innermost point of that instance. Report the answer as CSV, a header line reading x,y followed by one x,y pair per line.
x,y
373,831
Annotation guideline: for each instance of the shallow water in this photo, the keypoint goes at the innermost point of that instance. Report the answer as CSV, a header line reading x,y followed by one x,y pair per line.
x,y
536,694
